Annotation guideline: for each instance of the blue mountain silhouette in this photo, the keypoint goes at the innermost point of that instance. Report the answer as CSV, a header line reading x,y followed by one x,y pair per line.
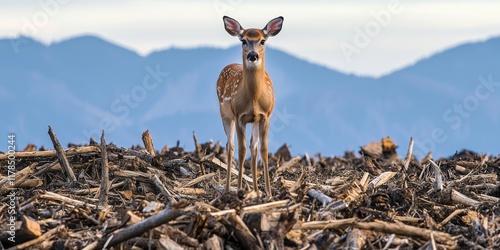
x,y
79,86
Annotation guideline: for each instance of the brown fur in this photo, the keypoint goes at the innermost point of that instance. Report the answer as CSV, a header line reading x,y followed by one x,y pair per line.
x,y
245,93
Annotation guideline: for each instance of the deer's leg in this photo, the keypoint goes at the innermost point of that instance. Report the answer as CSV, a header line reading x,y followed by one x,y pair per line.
x,y
242,150
254,141
229,126
263,129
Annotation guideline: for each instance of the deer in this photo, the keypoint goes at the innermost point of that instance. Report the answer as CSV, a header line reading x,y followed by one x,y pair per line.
x,y
246,95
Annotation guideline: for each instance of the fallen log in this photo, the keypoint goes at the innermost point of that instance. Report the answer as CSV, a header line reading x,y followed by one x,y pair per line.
x,y
52,153
137,229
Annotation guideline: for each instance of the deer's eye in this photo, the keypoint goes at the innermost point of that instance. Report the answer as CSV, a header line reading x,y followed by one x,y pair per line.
x,y
262,42
244,42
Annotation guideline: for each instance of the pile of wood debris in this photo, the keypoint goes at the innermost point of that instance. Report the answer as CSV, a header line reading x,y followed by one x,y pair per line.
x,y
103,196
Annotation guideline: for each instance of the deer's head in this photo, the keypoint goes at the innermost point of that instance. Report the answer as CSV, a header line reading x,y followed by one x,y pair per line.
x,y
253,40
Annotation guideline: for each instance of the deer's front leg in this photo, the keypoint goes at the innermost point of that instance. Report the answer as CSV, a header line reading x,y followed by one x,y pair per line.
x,y
263,129
242,150
229,127
254,142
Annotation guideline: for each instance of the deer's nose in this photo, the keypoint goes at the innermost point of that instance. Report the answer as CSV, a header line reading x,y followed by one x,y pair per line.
x,y
253,56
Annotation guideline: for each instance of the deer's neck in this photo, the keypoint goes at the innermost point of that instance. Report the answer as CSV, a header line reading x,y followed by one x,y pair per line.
x,y
254,80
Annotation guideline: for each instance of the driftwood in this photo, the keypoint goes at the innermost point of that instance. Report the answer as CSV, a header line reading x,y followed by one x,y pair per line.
x,y
138,198
50,153
60,198
104,190
38,240
355,239
26,229
21,177
241,232
405,230
325,200
137,229
148,143
234,171
406,163
198,153
381,179
438,184
253,209
63,160
461,198
159,184
288,164
214,243
385,227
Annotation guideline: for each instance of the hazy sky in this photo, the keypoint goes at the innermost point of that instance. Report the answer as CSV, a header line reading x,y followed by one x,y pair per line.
x,y
362,37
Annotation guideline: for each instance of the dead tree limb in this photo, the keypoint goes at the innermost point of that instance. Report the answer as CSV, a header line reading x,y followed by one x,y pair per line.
x,y
241,232
234,171
45,168
405,230
438,184
408,155
288,164
253,209
355,239
198,180
324,199
50,153
138,229
214,243
159,184
463,199
407,162
63,160
148,143
198,152
7,183
450,217
57,197
329,224
104,190
38,240
381,179
384,227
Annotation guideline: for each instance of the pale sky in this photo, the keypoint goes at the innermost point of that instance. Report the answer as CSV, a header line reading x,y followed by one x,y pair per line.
x,y
330,33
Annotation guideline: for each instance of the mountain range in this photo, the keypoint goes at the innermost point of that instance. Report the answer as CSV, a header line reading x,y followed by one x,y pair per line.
x,y
447,102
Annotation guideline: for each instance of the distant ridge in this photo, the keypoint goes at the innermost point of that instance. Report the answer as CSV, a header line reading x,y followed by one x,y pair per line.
x,y
447,102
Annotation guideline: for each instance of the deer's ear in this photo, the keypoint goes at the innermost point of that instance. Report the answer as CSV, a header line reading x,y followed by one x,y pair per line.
x,y
273,27
232,26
